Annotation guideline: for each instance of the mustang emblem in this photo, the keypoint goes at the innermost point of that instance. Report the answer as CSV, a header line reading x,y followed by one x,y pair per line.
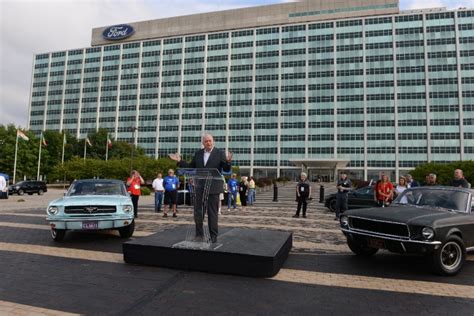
x,y
90,209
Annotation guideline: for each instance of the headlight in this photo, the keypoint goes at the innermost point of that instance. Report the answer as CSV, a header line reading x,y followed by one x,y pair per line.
x,y
344,221
127,208
428,233
53,210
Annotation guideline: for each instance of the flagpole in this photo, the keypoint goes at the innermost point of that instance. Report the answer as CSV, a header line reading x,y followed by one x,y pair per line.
x,y
62,155
107,147
85,149
39,157
16,151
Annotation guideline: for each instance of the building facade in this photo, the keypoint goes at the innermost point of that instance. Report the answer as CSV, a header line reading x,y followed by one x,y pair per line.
x,y
362,81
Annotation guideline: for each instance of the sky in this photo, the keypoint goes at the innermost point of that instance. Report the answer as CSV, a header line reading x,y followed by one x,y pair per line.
x,y
29,27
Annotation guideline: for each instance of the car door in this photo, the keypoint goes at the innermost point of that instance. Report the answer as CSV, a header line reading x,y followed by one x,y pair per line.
x,y
470,226
27,186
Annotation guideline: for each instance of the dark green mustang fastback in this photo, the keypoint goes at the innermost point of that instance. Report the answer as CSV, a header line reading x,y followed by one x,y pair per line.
x,y
435,221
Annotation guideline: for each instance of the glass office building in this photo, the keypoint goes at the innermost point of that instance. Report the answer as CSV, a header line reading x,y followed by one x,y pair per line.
x,y
381,88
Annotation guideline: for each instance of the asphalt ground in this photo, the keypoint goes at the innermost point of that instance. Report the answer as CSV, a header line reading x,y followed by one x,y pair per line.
x,y
86,274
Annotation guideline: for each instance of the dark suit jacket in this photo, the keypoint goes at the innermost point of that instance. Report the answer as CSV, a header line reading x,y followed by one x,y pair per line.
x,y
217,160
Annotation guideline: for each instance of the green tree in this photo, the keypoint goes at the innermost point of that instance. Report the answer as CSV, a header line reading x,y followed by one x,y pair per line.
x,y
27,155
444,172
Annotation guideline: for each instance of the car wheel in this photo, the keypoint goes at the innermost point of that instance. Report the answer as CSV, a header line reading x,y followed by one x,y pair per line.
x,y
21,192
127,231
58,234
40,192
450,257
332,205
360,248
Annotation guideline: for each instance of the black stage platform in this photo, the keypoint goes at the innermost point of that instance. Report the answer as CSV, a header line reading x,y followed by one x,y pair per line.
x,y
249,252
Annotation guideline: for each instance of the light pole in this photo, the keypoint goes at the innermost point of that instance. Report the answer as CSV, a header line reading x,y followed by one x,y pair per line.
x,y
133,129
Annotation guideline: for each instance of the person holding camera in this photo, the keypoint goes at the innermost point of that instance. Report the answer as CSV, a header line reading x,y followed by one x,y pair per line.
x,y
134,183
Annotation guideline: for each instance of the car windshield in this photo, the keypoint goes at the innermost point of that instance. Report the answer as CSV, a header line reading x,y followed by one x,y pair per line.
x,y
365,190
448,199
96,188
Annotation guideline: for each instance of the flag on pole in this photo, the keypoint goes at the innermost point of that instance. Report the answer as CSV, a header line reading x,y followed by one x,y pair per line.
x,y
109,143
44,142
64,139
21,134
88,141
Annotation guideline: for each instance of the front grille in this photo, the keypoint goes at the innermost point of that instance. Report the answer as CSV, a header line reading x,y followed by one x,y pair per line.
x,y
386,228
90,209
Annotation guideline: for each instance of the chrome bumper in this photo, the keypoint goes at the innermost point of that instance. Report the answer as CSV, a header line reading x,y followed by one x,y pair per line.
x,y
402,241
110,222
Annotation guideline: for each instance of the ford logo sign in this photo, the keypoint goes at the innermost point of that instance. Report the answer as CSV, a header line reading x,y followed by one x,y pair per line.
x,y
117,32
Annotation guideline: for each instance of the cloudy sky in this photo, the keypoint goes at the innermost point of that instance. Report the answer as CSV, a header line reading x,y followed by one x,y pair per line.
x,y
30,27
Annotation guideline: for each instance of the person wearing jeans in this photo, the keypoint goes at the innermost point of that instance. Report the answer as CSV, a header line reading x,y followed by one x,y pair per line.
x,y
232,188
159,191
251,193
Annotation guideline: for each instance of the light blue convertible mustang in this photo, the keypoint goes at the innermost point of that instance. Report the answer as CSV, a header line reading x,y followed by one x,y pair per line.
x,y
92,205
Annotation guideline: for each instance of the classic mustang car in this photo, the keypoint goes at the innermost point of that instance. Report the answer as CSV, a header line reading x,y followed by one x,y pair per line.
x,y
433,221
92,205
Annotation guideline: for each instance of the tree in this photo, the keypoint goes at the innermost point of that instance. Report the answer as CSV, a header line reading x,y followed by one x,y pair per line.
x,y
27,154
444,172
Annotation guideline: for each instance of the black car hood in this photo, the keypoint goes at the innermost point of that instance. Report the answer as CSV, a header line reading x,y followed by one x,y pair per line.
x,y
411,215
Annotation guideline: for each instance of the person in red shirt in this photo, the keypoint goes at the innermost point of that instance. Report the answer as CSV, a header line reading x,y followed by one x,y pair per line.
x,y
134,184
385,191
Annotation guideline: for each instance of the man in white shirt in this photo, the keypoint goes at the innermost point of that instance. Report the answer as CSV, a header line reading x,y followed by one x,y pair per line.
x,y
3,187
159,191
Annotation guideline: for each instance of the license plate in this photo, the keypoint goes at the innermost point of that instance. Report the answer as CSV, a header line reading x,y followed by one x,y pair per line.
x,y
90,225
375,243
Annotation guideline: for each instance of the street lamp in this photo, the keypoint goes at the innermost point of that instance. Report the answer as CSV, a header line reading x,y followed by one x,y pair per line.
x,y
133,129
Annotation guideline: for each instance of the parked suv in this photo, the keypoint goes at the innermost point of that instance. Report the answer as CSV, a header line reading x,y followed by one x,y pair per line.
x,y
29,187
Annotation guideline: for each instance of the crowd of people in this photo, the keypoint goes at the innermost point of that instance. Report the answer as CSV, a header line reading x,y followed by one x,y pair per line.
x,y
236,192
385,192
243,191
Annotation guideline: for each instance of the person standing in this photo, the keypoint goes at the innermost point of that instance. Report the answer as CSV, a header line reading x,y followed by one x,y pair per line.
x,y
3,188
411,183
385,191
171,184
431,180
343,186
251,194
134,183
243,189
212,158
232,189
159,191
303,193
459,180
401,186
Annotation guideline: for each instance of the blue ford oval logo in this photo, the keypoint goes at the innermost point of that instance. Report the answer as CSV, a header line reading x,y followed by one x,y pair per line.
x,y
118,32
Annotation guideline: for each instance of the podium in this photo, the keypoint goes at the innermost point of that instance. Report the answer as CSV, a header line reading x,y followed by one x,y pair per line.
x,y
202,183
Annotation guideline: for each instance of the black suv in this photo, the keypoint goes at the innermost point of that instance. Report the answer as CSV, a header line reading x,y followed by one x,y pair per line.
x,y
29,187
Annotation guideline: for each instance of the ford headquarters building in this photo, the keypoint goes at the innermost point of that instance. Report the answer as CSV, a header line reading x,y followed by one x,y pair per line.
x,y
320,85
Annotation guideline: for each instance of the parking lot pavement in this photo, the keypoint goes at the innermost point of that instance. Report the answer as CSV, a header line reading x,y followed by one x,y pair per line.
x,y
86,274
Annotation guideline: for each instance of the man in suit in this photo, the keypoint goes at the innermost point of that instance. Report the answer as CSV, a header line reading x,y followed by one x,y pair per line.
x,y
208,157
